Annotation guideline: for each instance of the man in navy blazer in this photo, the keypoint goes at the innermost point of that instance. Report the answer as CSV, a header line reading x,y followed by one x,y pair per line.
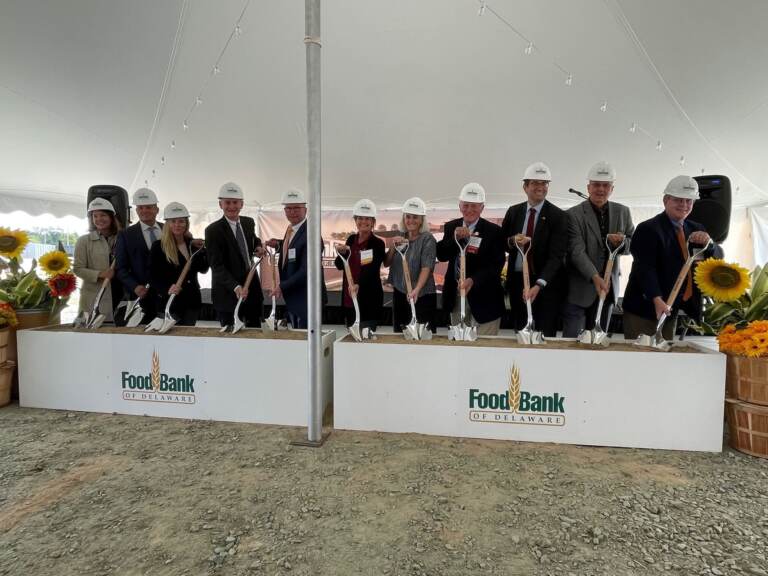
x,y
132,252
293,259
657,249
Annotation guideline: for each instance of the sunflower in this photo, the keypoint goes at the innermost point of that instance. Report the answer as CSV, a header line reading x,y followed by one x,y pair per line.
x,y
12,242
721,280
62,285
54,262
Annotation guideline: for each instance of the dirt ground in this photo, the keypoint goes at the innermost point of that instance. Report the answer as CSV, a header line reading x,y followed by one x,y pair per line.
x,y
99,494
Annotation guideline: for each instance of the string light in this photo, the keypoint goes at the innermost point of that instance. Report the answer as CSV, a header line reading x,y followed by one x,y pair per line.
x,y
146,182
658,145
238,31
198,101
702,171
185,126
682,160
216,70
481,12
162,160
569,80
173,144
153,173
633,128
529,49
604,106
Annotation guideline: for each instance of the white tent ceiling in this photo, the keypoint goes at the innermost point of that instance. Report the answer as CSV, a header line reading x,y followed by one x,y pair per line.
x,y
419,97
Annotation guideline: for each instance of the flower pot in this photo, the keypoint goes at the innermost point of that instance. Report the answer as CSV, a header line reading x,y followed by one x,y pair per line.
x,y
6,377
4,337
33,318
746,379
747,427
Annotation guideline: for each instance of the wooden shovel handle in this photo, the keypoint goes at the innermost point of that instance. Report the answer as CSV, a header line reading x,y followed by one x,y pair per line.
x,y
348,272
407,274
681,277
608,271
463,272
251,272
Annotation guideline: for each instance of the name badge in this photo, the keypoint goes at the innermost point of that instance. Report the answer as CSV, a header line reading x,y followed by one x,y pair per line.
x,y
291,254
366,257
474,244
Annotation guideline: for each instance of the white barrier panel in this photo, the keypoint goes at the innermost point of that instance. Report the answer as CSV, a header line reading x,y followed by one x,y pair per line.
x,y
667,400
229,378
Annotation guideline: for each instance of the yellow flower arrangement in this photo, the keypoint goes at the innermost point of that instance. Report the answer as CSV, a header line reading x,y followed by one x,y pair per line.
x,y
54,262
12,242
722,281
751,341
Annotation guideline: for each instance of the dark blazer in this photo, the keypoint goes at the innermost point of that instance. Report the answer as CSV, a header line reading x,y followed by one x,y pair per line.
x,y
657,262
132,267
550,243
163,274
293,275
228,267
370,294
486,298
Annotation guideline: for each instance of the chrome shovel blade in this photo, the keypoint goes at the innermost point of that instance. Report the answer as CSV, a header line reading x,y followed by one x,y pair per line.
x,y
156,324
168,323
354,330
97,322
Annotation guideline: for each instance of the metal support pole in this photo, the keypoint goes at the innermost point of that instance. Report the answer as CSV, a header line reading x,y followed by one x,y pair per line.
x,y
314,239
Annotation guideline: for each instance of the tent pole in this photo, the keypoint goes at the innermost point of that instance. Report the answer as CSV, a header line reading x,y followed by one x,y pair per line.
x,y
314,239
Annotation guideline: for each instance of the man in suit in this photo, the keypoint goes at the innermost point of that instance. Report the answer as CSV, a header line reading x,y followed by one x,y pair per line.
x,y
590,223
132,253
547,226
293,259
484,261
659,252
231,243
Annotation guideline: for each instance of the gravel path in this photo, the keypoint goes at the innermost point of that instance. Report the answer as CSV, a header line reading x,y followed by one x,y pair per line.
x,y
98,494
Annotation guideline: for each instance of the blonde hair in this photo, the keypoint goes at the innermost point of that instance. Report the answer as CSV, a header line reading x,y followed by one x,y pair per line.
x,y
424,224
168,243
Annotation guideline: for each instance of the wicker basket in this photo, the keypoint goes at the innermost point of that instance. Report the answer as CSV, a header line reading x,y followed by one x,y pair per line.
x,y
746,379
6,377
747,427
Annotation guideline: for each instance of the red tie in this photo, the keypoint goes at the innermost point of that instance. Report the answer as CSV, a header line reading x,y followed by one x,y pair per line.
x,y
529,232
684,251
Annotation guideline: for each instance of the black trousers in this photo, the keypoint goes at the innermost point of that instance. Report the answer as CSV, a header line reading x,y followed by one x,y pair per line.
x,y
250,313
349,319
426,306
546,307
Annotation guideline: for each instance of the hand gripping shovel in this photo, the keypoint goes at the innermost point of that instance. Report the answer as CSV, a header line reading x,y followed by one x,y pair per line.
x,y
239,324
413,330
95,319
657,340
271,322
462,332
166,322
355,328
597,335
134,314
527,335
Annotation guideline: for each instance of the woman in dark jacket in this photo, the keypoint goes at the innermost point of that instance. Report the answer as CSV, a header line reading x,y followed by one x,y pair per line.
x,y
366,254
167,259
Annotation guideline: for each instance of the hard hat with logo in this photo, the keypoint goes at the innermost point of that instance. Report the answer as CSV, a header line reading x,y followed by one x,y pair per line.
x,y
538,171
473,192
293,196
365,208
415,206
601,172
175,210
683,187
231,191
100,204
144,197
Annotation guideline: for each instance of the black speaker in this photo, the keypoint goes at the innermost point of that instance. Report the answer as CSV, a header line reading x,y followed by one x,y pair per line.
x,y
116,196
713,208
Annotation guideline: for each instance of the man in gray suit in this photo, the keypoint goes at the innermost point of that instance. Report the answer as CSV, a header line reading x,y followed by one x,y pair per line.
x,y
589,224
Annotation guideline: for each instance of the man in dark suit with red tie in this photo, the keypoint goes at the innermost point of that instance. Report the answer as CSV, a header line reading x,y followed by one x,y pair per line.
x,y
547,226
231,243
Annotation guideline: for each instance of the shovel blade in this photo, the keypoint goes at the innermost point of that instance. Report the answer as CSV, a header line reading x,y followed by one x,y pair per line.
x,y
168,323
239,325
156,324
424,332
97,322
270,324
354,330
135,318
470,333
224,329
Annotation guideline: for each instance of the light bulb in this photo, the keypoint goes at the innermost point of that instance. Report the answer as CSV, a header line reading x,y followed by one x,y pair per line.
x,y
482,8
529,49
216,70
146,182
633,128
682,160
604,106
569,80
702,171
185,126
162,160
658,145
173,144
198,101
238,31
153,173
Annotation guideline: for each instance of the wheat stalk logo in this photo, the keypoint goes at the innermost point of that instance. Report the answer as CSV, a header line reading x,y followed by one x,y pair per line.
x,y
514,388
155,371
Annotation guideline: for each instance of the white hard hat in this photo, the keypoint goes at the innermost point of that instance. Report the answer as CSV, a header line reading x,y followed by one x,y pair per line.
x,y
101,204
601,172
472,192
144,197
175,210
231,190
415,206
293,196
538,171
364,207
683,187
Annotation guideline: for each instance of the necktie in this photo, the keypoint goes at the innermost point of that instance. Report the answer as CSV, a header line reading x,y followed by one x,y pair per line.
x,y
684,251
241,243
529,232
152,236
286,243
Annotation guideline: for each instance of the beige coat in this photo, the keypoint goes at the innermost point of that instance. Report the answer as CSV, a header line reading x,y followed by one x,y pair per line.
x,y
92,253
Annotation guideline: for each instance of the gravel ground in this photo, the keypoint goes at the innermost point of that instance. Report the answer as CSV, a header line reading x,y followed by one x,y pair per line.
x,y
99,494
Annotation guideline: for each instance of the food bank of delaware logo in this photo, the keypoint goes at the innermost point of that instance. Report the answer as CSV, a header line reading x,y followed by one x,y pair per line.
x,y
157,386
516,406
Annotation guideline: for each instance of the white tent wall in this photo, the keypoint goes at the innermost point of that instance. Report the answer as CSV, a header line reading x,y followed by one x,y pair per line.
x,y
759,220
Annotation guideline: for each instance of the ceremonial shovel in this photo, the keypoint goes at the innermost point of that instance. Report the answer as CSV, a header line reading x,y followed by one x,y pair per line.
x,y
462,332
239,324
597,335
657,340
271,322
165,323
527,335
134,314
413,330
95,319
355,328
